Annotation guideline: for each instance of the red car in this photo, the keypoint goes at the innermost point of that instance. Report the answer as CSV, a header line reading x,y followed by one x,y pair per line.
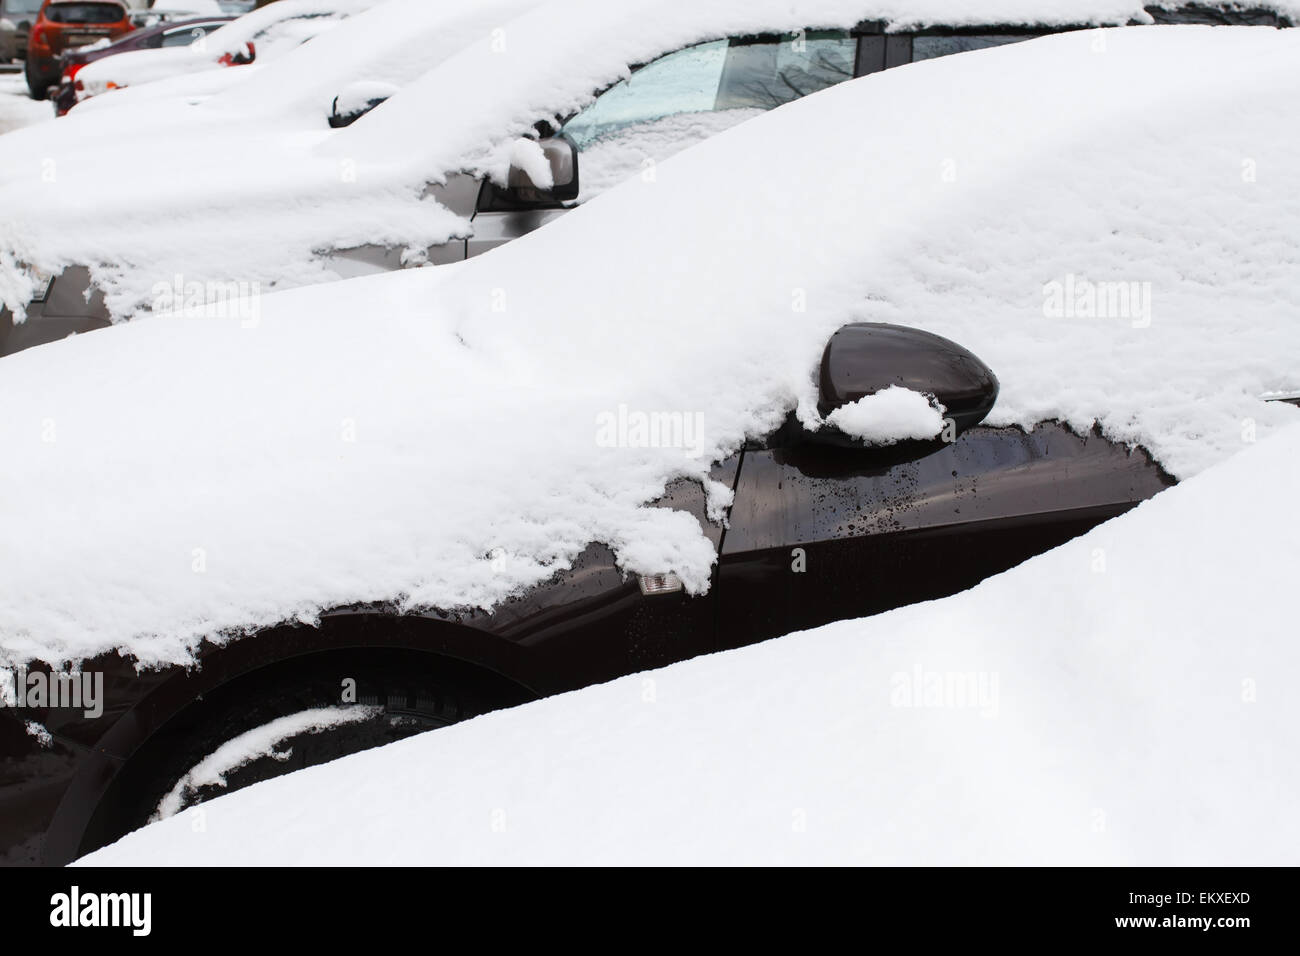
x,y
64,25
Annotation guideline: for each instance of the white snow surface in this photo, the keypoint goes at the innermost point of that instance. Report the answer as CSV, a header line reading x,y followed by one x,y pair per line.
x,y
891,415
1140,714
312,192
379,439
639,148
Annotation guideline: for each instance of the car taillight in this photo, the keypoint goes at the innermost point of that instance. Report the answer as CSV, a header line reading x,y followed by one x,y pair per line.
x,y
70,71
38,34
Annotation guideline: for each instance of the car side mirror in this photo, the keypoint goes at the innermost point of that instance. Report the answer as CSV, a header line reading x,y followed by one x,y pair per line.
x,y
865,358
542,172
357,99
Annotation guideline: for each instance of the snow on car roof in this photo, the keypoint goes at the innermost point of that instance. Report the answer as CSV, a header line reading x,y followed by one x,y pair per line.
x,y
429,438
1051,715
275,220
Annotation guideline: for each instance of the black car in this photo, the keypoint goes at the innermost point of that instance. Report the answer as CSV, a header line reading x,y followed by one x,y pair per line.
x,y
821,528
162,34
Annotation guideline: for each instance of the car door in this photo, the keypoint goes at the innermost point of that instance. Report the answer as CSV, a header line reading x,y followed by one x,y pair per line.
x,y
670,104
821,533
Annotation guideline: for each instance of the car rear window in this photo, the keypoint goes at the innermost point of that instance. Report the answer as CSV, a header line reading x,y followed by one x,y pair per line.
x,y
83,13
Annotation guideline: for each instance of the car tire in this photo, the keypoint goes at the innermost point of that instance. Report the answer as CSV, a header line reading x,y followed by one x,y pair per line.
x,y
405,700
37,90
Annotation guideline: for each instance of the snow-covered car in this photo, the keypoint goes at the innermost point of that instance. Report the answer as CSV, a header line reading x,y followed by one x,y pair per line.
x,y
267,34
323,518
536,114
997,727
164,34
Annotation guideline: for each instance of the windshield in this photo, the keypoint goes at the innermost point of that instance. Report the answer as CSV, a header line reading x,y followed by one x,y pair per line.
x,y
84,13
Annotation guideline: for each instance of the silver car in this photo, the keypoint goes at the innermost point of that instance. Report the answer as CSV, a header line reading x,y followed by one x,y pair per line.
x,y
16,19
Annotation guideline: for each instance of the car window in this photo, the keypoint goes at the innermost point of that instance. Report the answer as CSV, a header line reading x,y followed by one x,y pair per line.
x,y
682,82
722,75
84,13
928,48
764,74
184,36
295,29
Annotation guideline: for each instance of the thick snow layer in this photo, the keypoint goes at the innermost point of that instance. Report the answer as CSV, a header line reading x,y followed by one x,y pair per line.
x,y
276,220
889,416
187,88
380,438
1125,699
638,149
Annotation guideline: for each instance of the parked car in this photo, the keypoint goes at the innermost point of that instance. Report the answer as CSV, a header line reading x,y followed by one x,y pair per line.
x,y
65,25
820,493
163,34
379,506
266,33
16,19
625,125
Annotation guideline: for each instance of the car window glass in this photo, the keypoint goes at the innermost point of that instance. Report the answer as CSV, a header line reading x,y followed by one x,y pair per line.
x,y
294,30
765,74
84,13
682,82
692,94
721,75
928,48
185,36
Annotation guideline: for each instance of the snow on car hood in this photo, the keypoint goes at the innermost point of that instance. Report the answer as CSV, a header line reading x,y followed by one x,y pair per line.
x,y
430,438
180,206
